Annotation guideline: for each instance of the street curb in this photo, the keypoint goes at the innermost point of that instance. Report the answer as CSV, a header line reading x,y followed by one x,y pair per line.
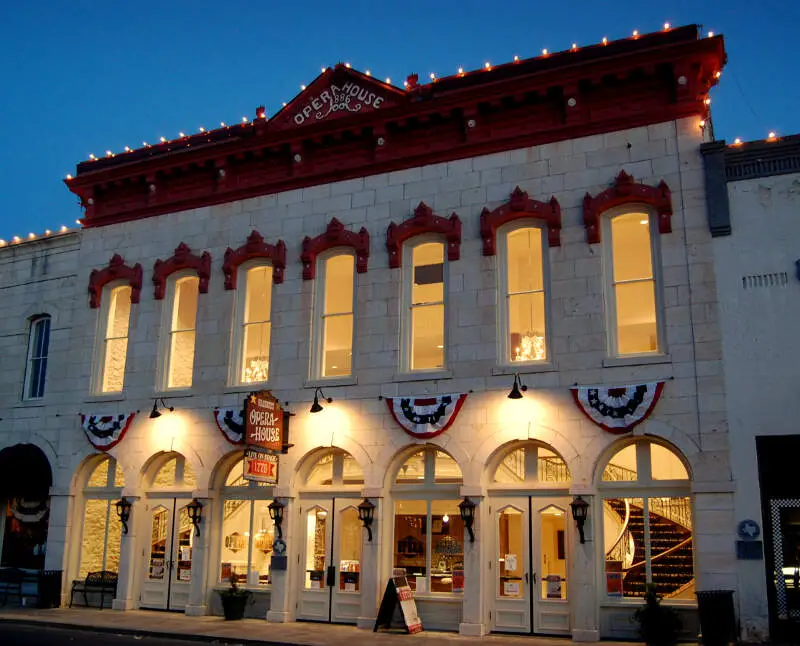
x,y
147,633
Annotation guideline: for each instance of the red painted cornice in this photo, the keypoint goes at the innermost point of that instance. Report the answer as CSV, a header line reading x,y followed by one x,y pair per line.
x,y
183,258
423,221
520,206
253,248
116,270
634,82
335,236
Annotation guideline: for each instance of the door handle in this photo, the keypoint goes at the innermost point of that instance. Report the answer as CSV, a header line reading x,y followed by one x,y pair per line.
x,y
330,579
526,577
534,578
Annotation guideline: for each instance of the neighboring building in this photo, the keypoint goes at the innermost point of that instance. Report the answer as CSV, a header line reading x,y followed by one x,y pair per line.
x,y
754,210
411,253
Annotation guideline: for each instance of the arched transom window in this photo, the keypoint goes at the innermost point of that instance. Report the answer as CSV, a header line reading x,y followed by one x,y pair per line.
x,y
334,467
531,463
647,522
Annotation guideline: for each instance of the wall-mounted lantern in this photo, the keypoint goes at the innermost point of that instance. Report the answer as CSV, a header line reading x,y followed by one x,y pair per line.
x,y
195,511
366,514
517,389
467,508
123,506
316,407
276,514
155,413
580,508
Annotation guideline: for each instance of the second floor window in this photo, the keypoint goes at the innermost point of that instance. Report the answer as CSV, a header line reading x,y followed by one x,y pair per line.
x,y
525,302
631,286
425,314
38,348
255,328
180,362
333,325
114,343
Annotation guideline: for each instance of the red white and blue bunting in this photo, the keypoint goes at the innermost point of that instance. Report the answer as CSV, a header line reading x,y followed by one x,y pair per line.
x,y
428,416
618,409
230,422
104,432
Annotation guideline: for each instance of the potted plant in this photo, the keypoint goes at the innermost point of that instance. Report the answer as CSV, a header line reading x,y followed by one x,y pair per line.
x,y
658,625
234,600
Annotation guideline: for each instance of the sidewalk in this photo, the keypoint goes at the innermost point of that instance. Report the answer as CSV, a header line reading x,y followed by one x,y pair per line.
x,y
166,624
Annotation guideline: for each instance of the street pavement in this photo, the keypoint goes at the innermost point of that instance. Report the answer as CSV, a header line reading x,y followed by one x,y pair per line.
x,y
13,634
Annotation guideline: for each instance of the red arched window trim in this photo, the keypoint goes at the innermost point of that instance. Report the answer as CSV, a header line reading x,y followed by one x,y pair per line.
x,y
183,258
116,270
423,221
626,191
335,236
255,247
518,207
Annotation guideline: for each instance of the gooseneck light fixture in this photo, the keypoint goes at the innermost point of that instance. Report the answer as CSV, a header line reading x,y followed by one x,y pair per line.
x,y
580,508
366,514
276,509
517,389
195,511
467,509
155,413
316,407
123,506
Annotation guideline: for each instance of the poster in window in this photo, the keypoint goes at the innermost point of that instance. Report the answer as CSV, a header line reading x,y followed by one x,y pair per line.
x,y
510,588
553,586
458,580
614,584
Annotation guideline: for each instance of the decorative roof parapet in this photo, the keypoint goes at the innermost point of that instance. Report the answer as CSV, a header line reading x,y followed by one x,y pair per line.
x,y
255,247
520,206
423,221
335,236
116,270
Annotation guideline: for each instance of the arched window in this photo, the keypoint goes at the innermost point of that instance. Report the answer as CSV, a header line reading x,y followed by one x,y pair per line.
x,y
112,340
335,467
532,463
38,350
428,530
180,349
333,324
647,522
247,530
253,327
424,307
101,528
175,473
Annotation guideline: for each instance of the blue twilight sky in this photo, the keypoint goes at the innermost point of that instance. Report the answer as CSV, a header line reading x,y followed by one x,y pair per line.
x,y
85,77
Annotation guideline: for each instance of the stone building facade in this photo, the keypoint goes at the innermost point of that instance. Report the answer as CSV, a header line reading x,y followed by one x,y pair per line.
x,y
541,223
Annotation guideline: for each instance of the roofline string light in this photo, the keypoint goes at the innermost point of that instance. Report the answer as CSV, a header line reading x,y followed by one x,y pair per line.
x,y
487,67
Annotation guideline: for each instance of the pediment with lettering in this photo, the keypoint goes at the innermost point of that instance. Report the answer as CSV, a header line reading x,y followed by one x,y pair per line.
x,y
336,93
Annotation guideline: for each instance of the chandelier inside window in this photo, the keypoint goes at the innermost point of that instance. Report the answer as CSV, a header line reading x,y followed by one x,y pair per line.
x,y
258,370
530,348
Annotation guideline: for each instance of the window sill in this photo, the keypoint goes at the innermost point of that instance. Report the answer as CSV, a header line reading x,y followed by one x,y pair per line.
x,y
447,597
640,360
430,375
245,389
105,397
524,368
322,382
178,393
30,403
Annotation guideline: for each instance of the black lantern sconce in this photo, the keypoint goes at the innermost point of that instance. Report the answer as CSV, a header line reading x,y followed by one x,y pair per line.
x,y
276,514
123,506
155,413
517,389
316,407
366,514
580,508
467,508
195,510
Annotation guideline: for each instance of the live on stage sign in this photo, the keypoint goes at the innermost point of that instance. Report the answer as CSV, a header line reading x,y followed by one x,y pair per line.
x,y
260,466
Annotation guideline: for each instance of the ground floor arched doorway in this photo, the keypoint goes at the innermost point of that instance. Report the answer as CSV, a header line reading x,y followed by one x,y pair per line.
x,y
25,480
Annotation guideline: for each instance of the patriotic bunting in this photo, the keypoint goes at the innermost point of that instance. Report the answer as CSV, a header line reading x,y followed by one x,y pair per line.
x,y
104,432
230,422
618,409
425,417
29,511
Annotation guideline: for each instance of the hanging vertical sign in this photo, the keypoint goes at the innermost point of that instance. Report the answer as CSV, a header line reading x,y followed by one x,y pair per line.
x,y
266,435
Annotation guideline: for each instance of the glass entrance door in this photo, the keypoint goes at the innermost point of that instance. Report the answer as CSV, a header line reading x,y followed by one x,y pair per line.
x,y
331,561
530,565
168,555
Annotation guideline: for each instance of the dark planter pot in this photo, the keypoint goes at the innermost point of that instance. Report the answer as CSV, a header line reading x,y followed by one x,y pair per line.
x,y
233,605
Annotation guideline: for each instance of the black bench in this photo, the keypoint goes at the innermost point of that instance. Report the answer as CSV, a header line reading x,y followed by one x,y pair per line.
x,y
102,582
11,579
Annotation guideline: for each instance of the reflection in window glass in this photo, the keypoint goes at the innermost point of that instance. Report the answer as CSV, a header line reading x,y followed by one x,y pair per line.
x,y
413,469
101,537
182,333
634,284
316,542
337,316
247,537
553,564
525,295
158,543
518,466
38,349
427,307
115,342
256,324
622,467
350,530
429,544
183,558
446,469
511,555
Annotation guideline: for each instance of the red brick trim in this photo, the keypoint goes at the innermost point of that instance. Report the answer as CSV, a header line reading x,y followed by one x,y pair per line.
x,y
255,247
626,191
518,207
183,258
335,236
423,221
116,270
